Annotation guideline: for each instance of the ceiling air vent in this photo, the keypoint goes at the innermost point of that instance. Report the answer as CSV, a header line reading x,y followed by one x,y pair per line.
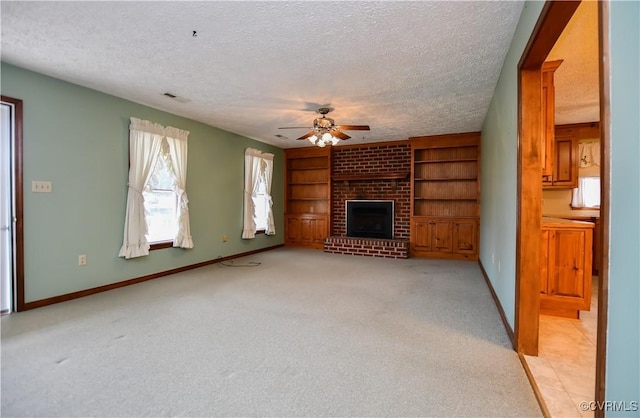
x,y
176,98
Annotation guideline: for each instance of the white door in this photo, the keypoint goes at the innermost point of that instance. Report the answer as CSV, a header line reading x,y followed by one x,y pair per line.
x,y
6,207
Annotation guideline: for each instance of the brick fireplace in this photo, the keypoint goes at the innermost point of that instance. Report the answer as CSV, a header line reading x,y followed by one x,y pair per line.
x,y
371,173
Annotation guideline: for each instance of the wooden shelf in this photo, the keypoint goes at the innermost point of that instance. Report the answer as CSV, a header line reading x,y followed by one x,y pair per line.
x,y
473,199
372,176
308,198
306,183
308,168
456,160
446,179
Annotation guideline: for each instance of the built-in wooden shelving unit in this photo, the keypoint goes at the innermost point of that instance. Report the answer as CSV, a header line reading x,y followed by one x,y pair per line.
x,y
308,196
445,196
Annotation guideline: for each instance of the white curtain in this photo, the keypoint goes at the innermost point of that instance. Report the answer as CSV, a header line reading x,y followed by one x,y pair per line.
x,y
587,194
251,181
267,160
144,148
258,167
589,153
177,140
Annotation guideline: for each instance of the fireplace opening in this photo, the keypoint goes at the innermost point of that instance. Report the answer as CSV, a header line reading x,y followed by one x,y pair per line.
x,y
370,218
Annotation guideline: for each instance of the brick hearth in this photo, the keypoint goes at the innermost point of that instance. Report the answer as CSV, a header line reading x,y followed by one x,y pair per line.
x,y
371,247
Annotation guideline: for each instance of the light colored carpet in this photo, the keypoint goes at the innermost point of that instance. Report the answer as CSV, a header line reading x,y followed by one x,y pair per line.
x,y
303,334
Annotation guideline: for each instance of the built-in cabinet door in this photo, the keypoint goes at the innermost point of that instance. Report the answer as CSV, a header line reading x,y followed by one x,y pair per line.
x,y
293,229
548,118
565,163
421,235
465,236
565,174
307,230
320,230
430,237
568,276
442,236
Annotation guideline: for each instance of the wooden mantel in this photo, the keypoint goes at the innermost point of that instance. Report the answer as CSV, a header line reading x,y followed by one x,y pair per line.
x,y
372,176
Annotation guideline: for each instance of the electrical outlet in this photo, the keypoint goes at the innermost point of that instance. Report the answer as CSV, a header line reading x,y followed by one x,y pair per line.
x,y
82,260
498,266
38,186
493,258
224,238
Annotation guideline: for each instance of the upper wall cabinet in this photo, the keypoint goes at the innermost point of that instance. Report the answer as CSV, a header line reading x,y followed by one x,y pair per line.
x,y
565,158
565,161
548,119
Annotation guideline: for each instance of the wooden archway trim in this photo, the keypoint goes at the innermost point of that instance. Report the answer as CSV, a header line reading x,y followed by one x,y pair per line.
x,y
553,19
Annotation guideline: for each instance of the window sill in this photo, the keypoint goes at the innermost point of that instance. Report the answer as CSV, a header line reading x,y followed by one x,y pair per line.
x,y
161,245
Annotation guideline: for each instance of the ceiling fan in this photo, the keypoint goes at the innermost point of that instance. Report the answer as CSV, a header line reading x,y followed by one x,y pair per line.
x,y
325,131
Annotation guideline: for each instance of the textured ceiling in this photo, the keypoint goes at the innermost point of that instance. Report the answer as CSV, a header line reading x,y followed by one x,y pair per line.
x,y
404,68
577,79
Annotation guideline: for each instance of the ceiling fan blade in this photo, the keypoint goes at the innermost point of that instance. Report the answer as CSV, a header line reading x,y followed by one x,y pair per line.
x,y
339,134
296,127
354,127
307,135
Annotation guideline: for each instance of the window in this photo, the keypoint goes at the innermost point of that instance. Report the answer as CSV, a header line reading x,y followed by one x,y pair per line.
x,y
587,194
258,215
260,201
157,204
161,200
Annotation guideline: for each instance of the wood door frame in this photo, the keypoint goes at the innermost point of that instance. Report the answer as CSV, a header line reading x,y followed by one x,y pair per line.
x,y
553,19
18,249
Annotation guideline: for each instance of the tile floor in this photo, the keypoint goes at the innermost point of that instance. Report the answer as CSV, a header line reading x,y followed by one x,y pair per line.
x,y
565,367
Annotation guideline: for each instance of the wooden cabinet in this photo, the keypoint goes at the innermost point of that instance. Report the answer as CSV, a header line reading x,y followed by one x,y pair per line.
x,y
432,237
565,274
465,236
565,161
548,118
308,196
445,205
596,246
306,230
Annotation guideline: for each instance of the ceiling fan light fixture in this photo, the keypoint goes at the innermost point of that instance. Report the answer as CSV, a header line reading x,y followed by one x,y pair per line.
x,y
325,132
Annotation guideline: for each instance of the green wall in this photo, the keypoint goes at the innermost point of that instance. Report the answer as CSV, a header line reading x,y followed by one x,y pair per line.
x,y
78,139
499,170
623,338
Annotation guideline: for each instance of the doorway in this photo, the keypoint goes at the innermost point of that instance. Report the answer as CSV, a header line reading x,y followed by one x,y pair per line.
x,y
11,229
553,19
